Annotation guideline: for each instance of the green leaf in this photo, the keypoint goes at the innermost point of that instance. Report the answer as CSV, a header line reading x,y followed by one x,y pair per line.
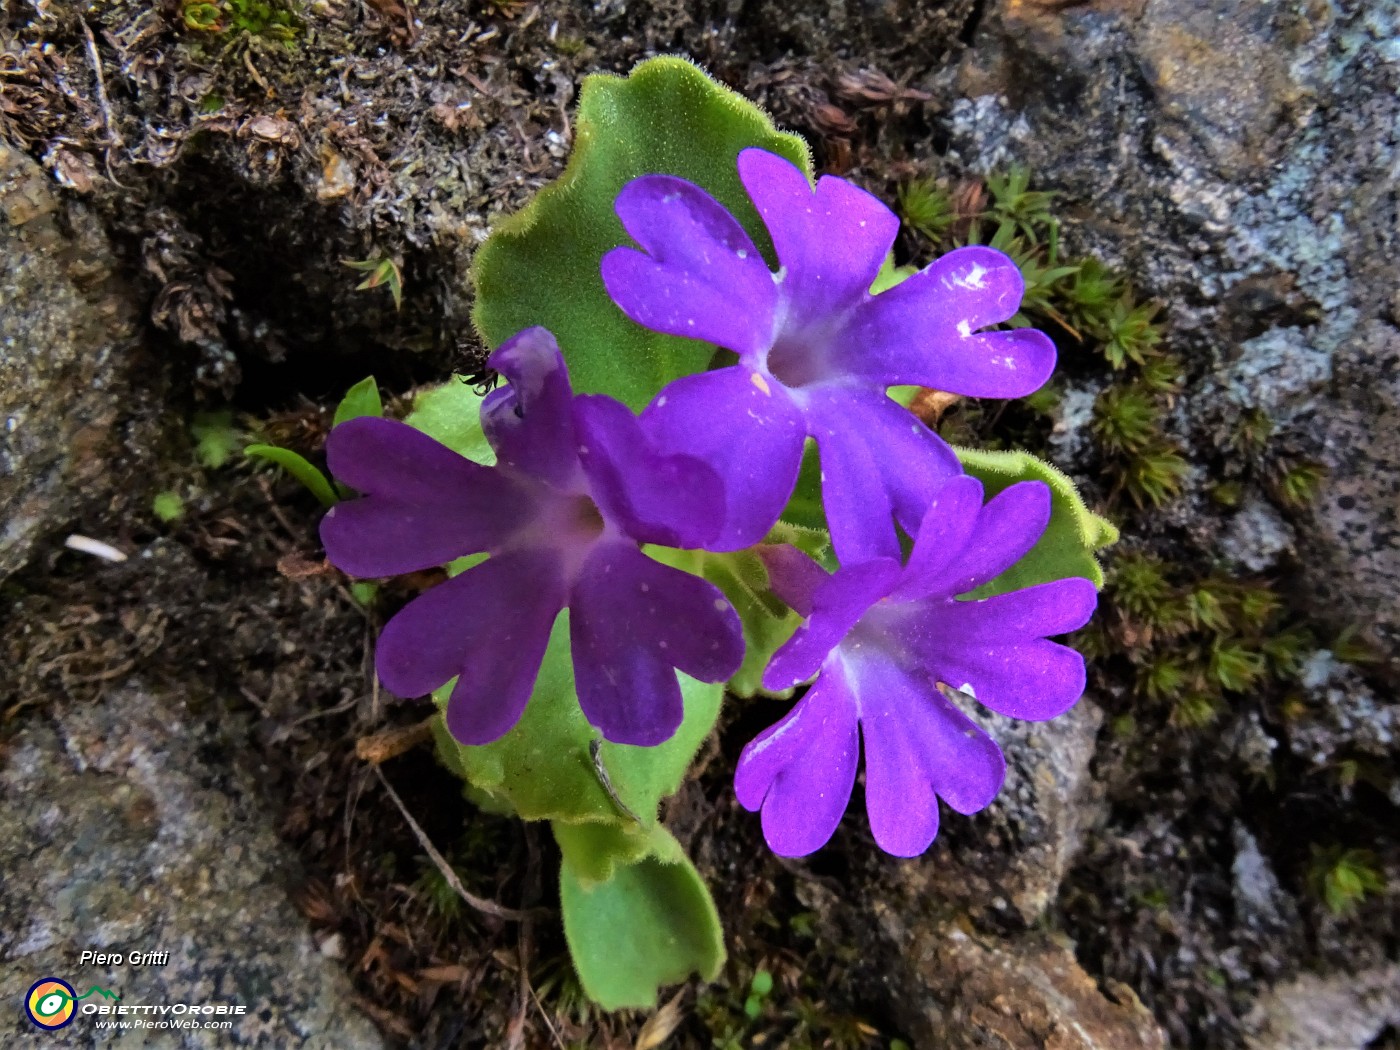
x,y
541,265
767,622
595,851
804,508
384,273
297,467
544,766
168,506
890,275
651,923
451,413
364,592
362,399
1074,533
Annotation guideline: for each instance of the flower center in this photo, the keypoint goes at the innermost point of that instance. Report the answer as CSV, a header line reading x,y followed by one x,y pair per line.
x,y
567,522
884,632
798,359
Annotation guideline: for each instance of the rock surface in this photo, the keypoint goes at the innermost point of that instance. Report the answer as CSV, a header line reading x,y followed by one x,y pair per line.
x,y
123,828
1338,1012
1239,159
1012,857
965,991
67,329
951,980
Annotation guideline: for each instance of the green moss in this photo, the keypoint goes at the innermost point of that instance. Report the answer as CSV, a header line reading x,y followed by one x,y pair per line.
x,y
1195,711
1162,374
927,208
1207,605
1252,432
1343,878
168,506
1300,484
1128,332
215,437
1125,419
1351,648
1165,678
1138,583
1015,204
1092,293
1257,604
1235,666
278,20
1155,474
1228,494
1286,649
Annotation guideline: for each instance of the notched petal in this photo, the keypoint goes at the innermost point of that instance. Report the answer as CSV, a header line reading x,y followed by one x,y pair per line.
x,y
529,423
671,499
800,771
424,504
830,239
699,275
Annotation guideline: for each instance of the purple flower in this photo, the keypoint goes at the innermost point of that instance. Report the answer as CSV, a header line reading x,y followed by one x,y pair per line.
x,y
883,636
576,489
816,350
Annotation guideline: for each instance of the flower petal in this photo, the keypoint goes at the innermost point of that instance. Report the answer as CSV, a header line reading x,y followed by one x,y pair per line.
x,y
673,500
830,240
1007,527
859,513
918,746
837,605
947,526
699,275
907,460
792,575
924,330
1042,611
1033,680
528,422
748,430
800,771
489,626
632,622
423,505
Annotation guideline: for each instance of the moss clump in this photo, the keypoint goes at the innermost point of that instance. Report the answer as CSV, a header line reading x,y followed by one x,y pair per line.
x,y
1343,878
269,19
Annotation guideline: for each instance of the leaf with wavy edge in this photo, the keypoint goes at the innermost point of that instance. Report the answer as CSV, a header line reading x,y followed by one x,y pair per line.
x,y
540,266
1074,533
637,915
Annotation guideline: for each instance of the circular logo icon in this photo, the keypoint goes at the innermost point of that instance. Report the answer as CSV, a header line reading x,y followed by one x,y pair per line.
x,y
50,1003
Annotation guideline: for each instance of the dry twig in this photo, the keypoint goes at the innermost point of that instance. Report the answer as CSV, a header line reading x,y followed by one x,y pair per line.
x,y
481,904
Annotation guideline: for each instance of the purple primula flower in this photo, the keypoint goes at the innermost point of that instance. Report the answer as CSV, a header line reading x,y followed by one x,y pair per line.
x,y
883,636
576,490
816,350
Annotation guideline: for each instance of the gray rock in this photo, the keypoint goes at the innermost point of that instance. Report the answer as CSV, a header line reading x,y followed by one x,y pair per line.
x,y
1343,714
1255,537
1336,1012
957,990
66,330
117,834
1012,856
1048,802
1258,897
1239,159
1070,438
